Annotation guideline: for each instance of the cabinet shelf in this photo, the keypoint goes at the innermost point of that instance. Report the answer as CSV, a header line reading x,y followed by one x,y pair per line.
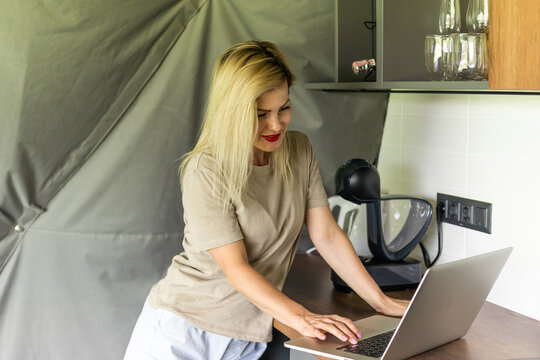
x,y
401,86
475,87
392,32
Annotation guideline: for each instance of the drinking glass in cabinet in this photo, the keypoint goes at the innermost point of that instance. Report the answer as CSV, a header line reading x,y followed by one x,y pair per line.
x,y
449,17
469,56
478,16
437,50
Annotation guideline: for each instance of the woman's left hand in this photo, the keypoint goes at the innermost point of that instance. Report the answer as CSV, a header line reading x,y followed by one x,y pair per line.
x,y
393,307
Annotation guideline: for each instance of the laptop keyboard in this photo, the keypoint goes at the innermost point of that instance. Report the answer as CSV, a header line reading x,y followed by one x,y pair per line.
x,y
372,347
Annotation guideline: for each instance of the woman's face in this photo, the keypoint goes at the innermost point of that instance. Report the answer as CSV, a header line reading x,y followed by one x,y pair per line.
x,y
274,115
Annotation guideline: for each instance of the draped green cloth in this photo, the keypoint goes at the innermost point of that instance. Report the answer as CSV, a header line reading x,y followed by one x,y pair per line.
x,y
99,99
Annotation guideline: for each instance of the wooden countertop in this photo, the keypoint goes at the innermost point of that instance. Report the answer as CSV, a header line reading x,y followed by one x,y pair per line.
x,y
497,333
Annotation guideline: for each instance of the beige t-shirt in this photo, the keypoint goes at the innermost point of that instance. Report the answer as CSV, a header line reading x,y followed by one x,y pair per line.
x,y
268,219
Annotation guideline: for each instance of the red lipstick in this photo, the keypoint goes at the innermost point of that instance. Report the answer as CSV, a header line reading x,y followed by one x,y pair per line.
x,y
271,138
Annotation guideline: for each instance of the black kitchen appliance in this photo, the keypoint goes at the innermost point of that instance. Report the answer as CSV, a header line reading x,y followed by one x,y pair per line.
x,y
394,226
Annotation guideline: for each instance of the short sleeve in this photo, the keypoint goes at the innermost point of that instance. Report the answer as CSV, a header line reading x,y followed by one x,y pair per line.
x,y
316,195
208,224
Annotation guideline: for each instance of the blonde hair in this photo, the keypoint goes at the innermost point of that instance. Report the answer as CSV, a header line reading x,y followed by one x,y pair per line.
x,y
242,74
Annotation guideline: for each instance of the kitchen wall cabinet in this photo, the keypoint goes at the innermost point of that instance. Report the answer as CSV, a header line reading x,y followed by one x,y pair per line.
x,y
397,43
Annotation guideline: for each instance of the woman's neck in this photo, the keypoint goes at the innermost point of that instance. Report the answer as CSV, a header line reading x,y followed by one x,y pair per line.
x,y
260,158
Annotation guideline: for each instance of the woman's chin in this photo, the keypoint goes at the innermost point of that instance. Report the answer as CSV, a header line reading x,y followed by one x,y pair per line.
x,y
268,146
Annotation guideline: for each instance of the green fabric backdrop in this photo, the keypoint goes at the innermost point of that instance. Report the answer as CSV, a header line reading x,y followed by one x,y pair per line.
x,y
99,99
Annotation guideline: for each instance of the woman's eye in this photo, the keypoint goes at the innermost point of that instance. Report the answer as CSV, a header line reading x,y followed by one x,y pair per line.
x,y
262,116
285,108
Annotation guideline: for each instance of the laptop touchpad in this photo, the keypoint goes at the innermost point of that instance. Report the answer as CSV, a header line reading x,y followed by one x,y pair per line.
x,y
366,331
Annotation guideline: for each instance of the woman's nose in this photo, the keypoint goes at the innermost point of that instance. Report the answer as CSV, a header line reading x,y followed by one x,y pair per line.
x,y
274,123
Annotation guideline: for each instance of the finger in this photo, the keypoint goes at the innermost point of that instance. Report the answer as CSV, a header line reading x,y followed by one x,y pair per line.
x,y
349,323
331,328
340,325
314,332
351,336
319,334
346,326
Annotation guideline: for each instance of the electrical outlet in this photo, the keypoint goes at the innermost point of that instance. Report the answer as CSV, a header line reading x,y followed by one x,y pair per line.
x,y
471,214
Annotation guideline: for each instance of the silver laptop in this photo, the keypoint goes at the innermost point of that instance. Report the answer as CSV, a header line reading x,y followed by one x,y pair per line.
x,y
442,309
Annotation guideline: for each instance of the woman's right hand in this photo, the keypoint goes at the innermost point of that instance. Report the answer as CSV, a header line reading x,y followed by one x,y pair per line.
x,y
316,325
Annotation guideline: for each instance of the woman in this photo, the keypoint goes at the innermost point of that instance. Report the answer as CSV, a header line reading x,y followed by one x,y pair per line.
x,y
248,187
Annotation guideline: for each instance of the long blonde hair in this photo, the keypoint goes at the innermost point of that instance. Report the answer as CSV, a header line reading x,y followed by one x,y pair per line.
x,y
242,74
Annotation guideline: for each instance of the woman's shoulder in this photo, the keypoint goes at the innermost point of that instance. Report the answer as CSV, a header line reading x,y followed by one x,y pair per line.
x,y
200,163
299,143
297,138
297,135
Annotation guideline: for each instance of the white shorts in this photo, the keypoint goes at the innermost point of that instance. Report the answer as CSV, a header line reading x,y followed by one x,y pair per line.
x,y
162,335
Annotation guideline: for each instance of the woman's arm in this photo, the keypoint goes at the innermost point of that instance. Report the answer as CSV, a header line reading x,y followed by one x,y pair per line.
x,y
337,250
232,259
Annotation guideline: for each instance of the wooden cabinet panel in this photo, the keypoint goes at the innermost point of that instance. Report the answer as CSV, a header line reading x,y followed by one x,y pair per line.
x,y
514,45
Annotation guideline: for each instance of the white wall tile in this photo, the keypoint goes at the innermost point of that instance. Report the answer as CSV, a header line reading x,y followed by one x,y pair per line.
x,y
522,260
429,191
434,167
389,168
507,107
503,137
455,105
514,177
482,147
394,104
392,130
477,242
435,132
520,294
454,243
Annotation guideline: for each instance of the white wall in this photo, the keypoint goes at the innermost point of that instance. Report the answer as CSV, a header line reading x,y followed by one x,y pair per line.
x,y
484,147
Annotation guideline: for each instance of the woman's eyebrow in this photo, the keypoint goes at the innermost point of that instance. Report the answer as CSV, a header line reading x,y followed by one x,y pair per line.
x,y
265,110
